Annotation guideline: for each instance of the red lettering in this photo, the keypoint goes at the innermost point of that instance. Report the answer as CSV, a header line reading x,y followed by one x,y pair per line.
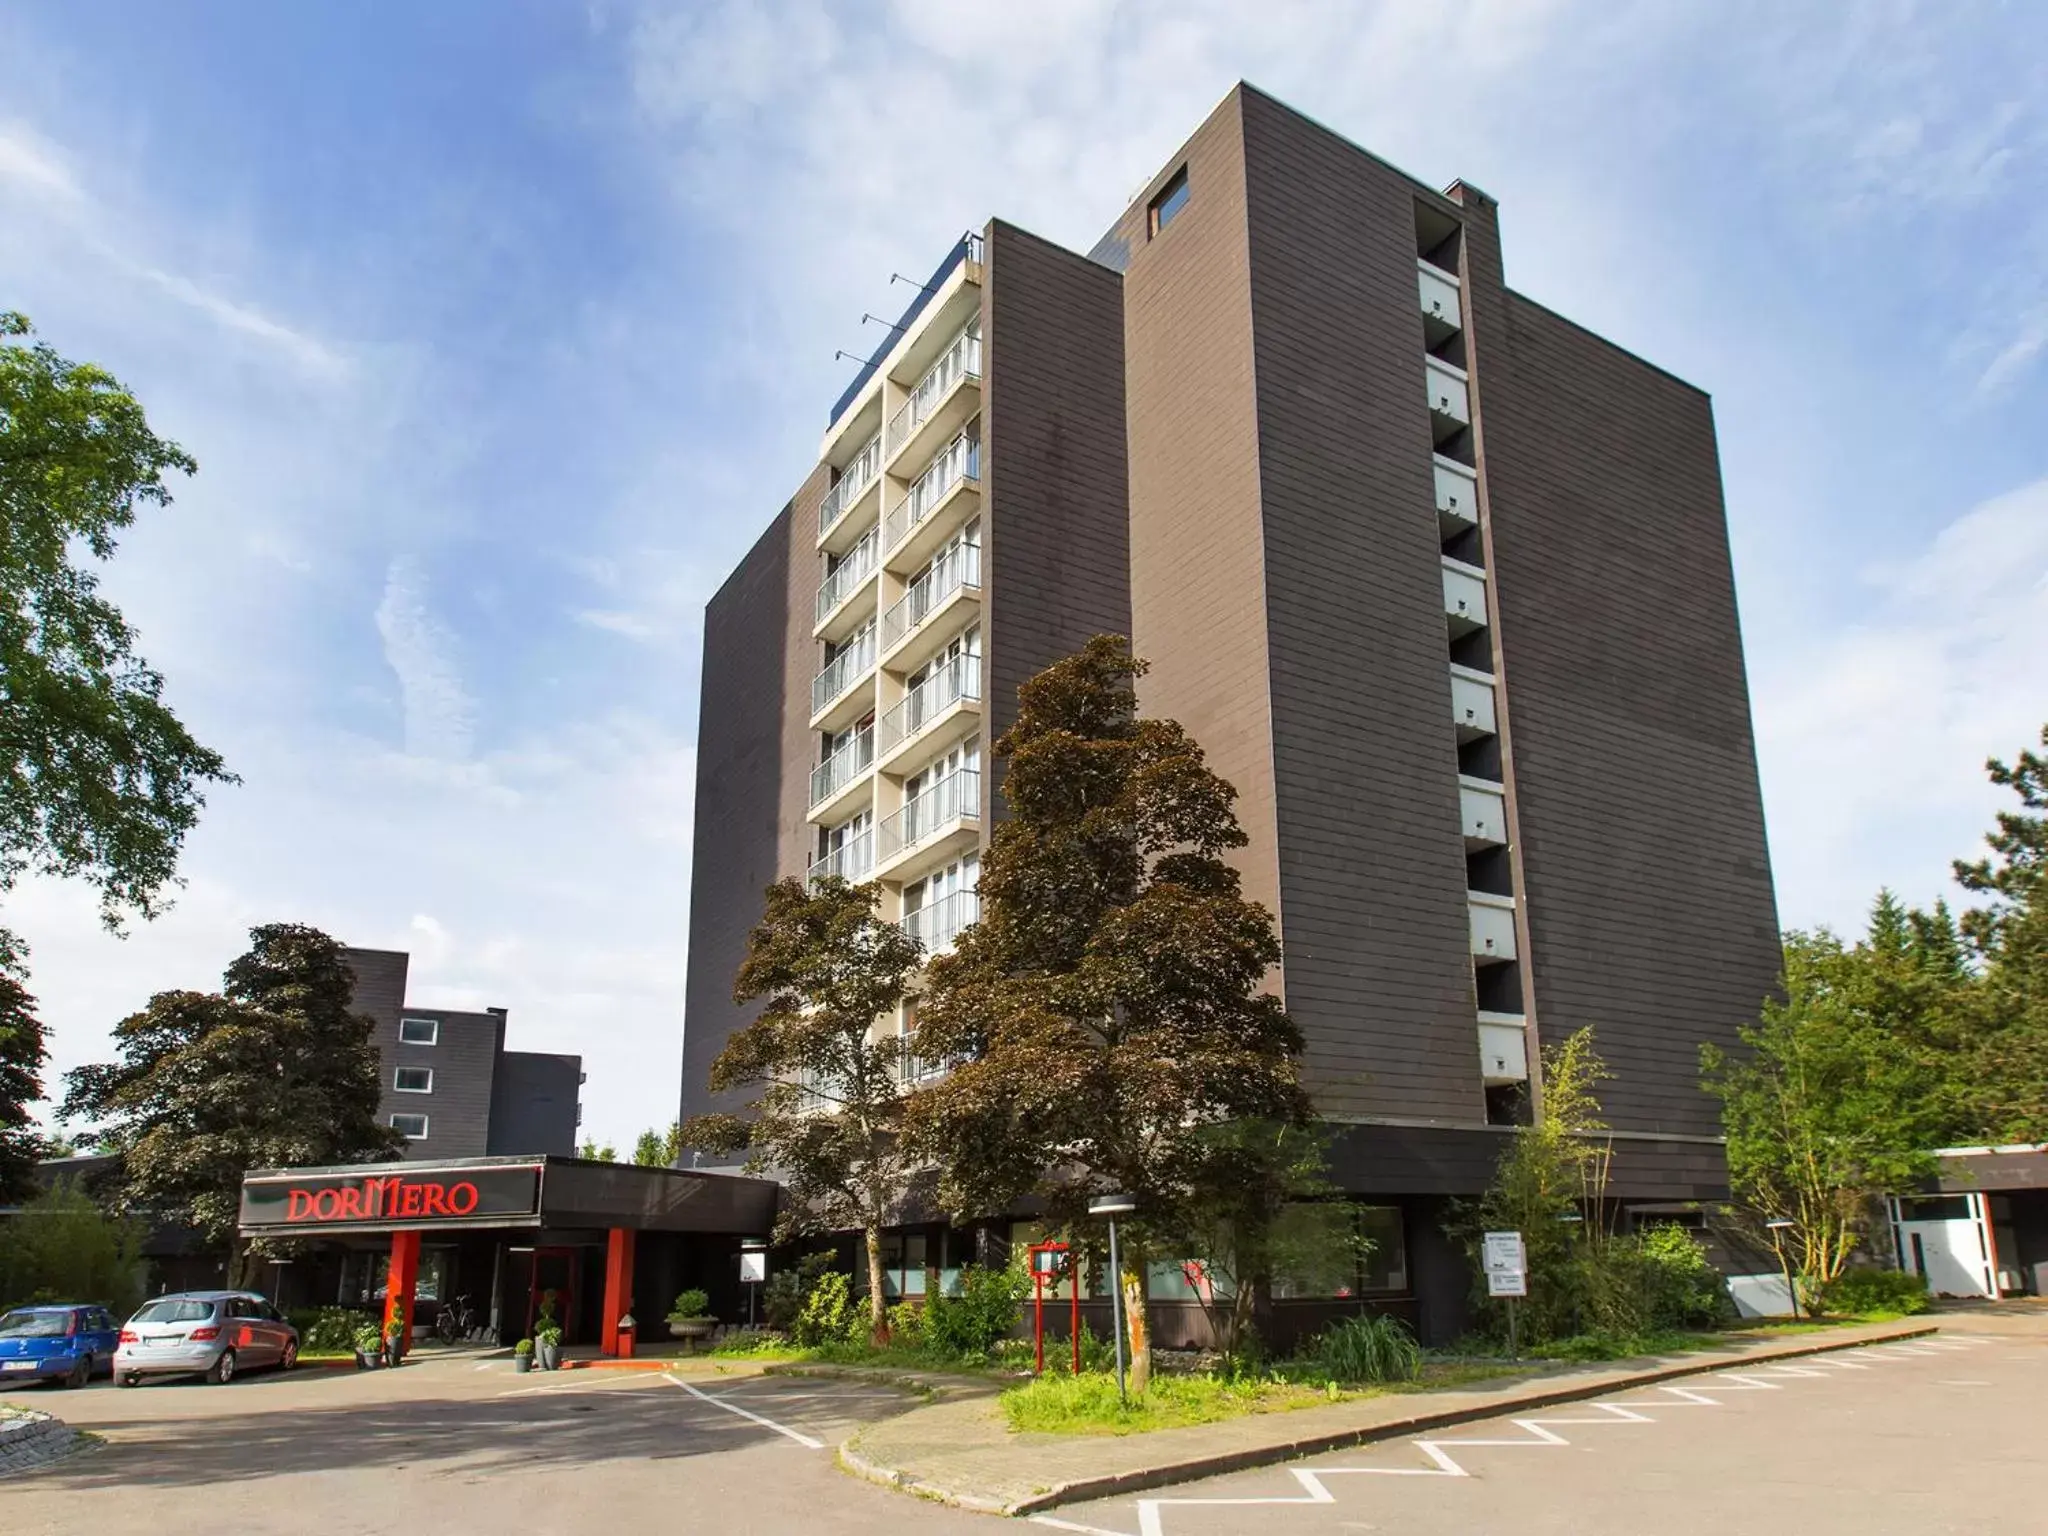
x,y
351,1203
298,1205
327,1205
435,1201
461,1199
408,1200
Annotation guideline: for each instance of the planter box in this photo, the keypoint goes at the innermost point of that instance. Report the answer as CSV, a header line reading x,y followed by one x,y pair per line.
x,y
692,1327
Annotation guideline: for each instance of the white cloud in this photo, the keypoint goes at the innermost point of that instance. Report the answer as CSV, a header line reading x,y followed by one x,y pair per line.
x,y
1873,736
35,166
420,649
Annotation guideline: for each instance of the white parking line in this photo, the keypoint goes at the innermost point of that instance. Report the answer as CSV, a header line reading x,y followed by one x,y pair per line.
x,y
781,1429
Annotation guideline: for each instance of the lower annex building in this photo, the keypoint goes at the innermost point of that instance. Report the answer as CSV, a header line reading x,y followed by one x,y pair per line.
x,y
1439,579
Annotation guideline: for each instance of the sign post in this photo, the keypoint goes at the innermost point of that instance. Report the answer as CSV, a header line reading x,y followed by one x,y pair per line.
x,y
753,1271
1506,1260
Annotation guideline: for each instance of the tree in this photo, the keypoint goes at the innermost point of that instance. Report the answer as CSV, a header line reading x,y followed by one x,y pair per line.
x,y
1826,1110
276,1072
829,1074
21,1066
2007,1070
659,1149
63,1247
1107,1010
593,1152
98,779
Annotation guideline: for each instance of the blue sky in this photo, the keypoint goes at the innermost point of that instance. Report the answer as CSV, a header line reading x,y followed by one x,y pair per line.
x,y
500,329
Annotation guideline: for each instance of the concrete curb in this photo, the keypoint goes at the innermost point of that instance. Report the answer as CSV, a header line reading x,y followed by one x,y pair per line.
x,y
1187,1469
30,1439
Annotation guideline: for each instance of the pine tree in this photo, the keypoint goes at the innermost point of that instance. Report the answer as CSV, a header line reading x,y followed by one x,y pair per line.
x,y
22,1055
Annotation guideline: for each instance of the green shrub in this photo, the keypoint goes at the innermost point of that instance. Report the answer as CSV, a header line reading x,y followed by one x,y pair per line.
x,y
63,1247
1686,1291
690,1305
326,1330
1645,1283
829,1314
1875,1290
1368,1349
906,1325
788,1289
970,1326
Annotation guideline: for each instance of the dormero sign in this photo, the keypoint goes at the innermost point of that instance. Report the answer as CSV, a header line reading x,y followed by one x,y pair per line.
x,y
401,1197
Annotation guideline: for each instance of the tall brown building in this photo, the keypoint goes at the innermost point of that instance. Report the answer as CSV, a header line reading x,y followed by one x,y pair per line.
x,y
1439,579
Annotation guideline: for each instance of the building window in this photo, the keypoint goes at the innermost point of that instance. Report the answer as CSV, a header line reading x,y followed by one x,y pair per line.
x,y
1171,199
413,1080
419,1031
411,1127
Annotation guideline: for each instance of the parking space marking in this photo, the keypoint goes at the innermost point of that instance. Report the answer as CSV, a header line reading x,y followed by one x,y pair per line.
x,y
1538,1432
797,1435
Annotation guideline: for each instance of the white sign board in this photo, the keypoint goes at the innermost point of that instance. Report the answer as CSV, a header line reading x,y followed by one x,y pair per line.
x,y
753,1268
1506,1263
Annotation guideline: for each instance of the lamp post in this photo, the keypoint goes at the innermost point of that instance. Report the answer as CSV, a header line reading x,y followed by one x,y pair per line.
x,y
1113,1206
1778,1229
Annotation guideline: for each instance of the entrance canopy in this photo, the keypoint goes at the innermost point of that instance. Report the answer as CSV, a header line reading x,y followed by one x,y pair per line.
x,y
502,1192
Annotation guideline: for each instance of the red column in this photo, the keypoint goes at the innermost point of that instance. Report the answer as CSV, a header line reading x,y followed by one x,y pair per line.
x,y
618,1286
399,1282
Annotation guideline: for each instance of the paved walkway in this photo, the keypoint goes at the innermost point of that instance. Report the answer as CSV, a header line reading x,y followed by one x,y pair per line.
x,y
958,1449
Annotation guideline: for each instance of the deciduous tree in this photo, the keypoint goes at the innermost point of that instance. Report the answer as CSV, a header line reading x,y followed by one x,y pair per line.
x,y
1107,1010
825,1065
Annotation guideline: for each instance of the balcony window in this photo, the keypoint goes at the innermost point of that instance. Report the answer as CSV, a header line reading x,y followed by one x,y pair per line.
x,y
958,461
961,361
852,754
858,475
937,908
956,568
847,573
938,804
849,664
847,851
947,680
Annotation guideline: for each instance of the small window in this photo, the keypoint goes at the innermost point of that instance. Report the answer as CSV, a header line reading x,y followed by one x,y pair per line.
x,y
1171,199
413,1080
419,1031
411,1127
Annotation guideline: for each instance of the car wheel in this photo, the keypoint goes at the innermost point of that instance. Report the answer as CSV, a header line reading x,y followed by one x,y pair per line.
x,y
222,1371
128,1380
79,1374
290,1357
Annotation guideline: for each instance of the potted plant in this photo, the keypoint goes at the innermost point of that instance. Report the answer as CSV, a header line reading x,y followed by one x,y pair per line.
x,y
394,1341
690,1318
522,1356
369,1347
547,1341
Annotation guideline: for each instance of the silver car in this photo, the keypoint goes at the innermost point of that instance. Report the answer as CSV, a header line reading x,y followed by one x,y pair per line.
x,y
214,1334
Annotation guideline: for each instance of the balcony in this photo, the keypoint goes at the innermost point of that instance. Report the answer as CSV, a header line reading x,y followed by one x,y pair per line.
x,y
1450,399
919,524
934,826
842,771
1472,702
1441,319
833,615
863,473
1483,808
951,691
953,581
1503,1048
1457,497
1464,597
833,690
1493,927
936,926
941,402
853,859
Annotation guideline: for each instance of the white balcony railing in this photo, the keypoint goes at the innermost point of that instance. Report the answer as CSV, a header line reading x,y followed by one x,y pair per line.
x,y
958,679
859,475
930,811
852,760
849,573
853,859
959,460
939,923
962,360
844,670
958,568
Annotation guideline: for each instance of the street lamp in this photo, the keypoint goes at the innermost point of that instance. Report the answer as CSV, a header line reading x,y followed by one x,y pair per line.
x,y
1778,1229
1113,1206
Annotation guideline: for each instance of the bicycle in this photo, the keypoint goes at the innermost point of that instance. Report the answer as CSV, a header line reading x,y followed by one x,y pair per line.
x,y
454,1322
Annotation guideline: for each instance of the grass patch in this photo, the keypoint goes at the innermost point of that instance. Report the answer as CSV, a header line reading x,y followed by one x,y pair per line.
x,y
1088,1404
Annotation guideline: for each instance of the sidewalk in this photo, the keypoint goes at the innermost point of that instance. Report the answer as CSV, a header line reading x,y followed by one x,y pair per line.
x,y
957,1449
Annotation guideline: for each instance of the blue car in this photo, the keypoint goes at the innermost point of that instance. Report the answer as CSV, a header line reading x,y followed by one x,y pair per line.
x,y
64,1343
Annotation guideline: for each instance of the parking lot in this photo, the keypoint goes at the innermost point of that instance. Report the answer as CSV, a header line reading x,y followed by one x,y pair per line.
x,y
458,1444
1941,1436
